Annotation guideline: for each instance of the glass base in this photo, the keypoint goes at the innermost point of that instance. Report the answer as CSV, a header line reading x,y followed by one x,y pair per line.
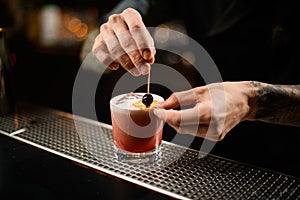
x,y
137,158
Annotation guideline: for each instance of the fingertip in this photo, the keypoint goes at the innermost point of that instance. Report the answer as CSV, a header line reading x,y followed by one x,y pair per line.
x,y
160,113
145,68
159,105
152,60
171,102
147,54
135,72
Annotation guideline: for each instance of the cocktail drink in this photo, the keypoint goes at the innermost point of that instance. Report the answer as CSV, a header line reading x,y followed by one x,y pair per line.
x,y
137,132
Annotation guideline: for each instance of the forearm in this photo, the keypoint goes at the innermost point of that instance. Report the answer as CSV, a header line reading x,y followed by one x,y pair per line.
x,y
277,103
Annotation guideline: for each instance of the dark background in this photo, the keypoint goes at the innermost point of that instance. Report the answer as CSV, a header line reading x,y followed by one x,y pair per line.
x,y
45,75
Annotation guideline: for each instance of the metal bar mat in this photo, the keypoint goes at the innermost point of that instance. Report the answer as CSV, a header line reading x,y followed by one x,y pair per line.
x,y
179,172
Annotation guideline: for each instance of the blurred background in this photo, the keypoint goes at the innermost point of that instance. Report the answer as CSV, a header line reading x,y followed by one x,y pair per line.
x,y
46,38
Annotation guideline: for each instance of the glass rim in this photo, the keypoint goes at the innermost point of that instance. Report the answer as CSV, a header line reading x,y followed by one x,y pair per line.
x,y
113,100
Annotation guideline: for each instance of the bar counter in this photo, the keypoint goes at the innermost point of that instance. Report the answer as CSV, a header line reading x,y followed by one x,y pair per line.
x,y
50,154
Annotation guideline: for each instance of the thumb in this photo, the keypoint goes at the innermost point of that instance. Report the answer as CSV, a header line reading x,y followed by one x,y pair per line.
x,y
172,117
148,54
160,113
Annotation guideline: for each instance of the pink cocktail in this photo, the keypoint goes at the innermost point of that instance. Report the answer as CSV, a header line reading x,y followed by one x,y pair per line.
x,y
137,132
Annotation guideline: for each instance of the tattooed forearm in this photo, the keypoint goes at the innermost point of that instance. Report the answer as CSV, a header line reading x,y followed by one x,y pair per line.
x,y
278,103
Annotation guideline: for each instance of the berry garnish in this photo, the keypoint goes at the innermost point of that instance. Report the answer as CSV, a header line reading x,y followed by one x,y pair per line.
x,y
147,100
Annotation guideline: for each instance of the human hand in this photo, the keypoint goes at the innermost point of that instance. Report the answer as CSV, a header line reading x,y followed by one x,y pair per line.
x,y
216,109
124,40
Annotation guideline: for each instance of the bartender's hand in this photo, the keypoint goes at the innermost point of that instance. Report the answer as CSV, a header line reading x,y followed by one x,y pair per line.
x,y
124,40
216,109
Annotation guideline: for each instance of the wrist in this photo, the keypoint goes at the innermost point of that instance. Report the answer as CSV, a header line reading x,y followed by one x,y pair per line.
x,y
252,92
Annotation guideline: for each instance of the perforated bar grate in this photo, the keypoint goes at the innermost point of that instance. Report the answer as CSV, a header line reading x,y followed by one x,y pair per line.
x,y
185,176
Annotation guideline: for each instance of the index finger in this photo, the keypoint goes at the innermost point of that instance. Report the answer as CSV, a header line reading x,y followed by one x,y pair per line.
x,y
140,34
200,114
183,98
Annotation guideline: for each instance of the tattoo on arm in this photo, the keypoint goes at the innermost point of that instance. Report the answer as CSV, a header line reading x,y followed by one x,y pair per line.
x,y
278,103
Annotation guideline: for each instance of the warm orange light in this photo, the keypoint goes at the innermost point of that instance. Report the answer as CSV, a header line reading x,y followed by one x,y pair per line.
x,y
74,25
82,32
